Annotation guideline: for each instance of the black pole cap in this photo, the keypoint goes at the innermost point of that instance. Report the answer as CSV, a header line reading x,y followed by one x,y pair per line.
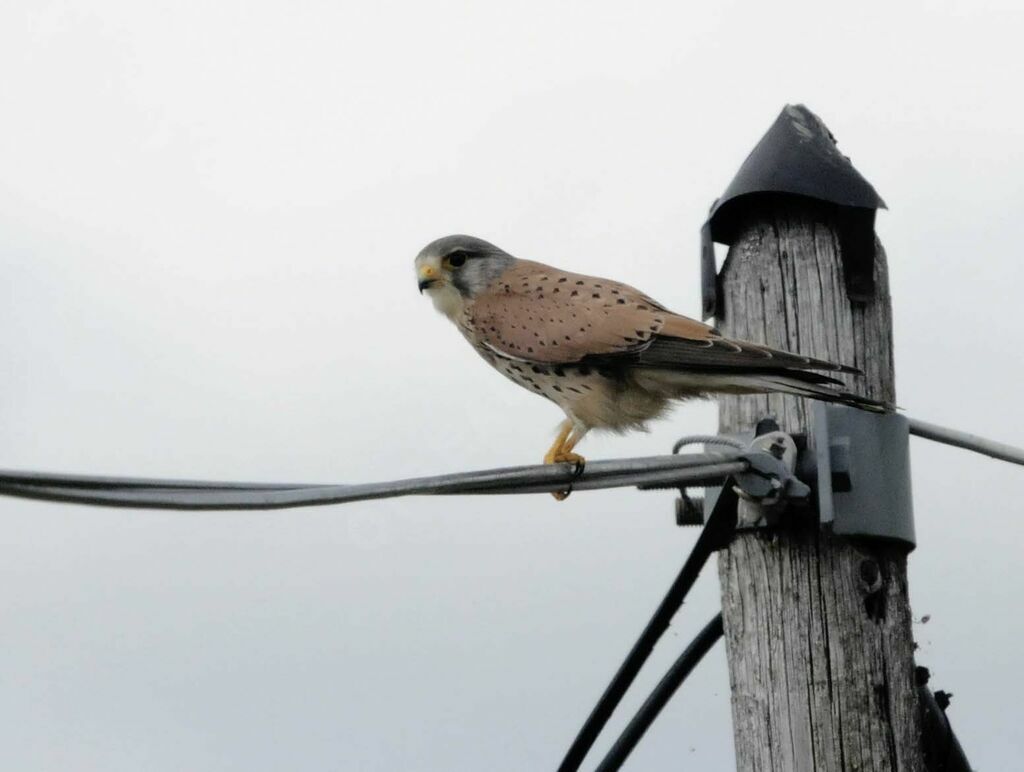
x,y
797,157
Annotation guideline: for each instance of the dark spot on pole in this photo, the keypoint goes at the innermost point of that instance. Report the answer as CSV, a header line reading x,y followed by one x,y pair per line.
x,y
882,699
873,587
869,574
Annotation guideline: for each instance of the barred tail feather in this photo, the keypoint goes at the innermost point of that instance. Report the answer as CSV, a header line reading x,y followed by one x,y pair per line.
x,y
820,391
678,384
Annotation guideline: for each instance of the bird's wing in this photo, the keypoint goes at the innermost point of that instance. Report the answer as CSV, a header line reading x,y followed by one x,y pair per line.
x,y
537,313
541,314
716,354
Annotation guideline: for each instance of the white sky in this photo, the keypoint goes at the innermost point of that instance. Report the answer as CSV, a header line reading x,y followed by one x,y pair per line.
x,y
208,215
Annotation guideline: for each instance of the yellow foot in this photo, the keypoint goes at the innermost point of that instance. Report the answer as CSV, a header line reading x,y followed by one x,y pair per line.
x,y
567,457
561,453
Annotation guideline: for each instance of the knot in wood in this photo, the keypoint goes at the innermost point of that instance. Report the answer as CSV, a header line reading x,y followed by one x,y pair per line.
x,y
870,576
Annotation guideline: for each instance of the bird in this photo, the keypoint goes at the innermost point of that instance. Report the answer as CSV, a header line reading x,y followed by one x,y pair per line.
x,y
610,356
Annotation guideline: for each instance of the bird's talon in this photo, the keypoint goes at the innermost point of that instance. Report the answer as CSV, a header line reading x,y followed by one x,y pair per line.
x,y
566,457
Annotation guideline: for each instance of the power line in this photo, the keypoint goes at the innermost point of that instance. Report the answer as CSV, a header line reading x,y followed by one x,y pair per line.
x,y
141,493
647,472
966,441
658,699
717,532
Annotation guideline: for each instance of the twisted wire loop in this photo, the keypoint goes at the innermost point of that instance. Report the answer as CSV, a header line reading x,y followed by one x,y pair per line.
x,y
709,439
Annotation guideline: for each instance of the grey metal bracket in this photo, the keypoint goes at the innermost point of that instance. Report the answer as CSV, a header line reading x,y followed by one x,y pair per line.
x,y
767,487
858,466
769,480
861,468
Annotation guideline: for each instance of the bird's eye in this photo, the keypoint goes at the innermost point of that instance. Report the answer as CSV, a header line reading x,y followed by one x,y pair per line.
x,y
456,259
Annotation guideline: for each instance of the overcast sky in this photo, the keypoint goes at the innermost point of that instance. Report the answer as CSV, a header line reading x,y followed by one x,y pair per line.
x,y
208,215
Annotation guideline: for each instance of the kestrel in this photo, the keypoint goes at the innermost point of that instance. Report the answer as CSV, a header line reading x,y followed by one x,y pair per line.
x,y
607,354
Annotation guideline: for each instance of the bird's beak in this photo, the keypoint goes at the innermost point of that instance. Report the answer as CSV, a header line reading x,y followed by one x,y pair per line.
x,y
427,277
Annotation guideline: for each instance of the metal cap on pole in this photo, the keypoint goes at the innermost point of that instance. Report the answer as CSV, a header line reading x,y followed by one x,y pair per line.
x,y
798,156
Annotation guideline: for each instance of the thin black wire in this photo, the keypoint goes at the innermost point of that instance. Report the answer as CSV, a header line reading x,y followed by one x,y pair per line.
x,y
717,532
141,493
662,693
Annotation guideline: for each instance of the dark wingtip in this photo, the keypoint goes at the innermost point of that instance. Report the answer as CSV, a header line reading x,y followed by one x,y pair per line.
x,y
866,403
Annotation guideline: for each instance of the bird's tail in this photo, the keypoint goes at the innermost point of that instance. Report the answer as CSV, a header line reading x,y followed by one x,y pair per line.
x,y
800,383
826,392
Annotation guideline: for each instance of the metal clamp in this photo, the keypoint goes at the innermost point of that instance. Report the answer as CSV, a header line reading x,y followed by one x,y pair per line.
x,y
765,488
860,465
857,464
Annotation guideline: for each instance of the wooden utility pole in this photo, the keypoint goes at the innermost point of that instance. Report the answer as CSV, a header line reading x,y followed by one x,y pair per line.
x,y
817,628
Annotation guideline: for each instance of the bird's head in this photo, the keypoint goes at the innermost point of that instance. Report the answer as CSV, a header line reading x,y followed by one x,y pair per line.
x,y
454,269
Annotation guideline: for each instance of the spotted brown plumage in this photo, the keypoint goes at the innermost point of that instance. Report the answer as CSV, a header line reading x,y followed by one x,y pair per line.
x,y
543,314
609,355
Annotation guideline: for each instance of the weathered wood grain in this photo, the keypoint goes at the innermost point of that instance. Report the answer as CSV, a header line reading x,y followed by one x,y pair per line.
x,y
818,629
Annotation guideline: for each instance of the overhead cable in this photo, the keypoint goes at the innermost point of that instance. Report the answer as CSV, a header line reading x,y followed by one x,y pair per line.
x,y
141,493
967,441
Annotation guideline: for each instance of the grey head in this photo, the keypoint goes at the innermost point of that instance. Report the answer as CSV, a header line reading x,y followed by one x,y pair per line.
x,y
463,263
